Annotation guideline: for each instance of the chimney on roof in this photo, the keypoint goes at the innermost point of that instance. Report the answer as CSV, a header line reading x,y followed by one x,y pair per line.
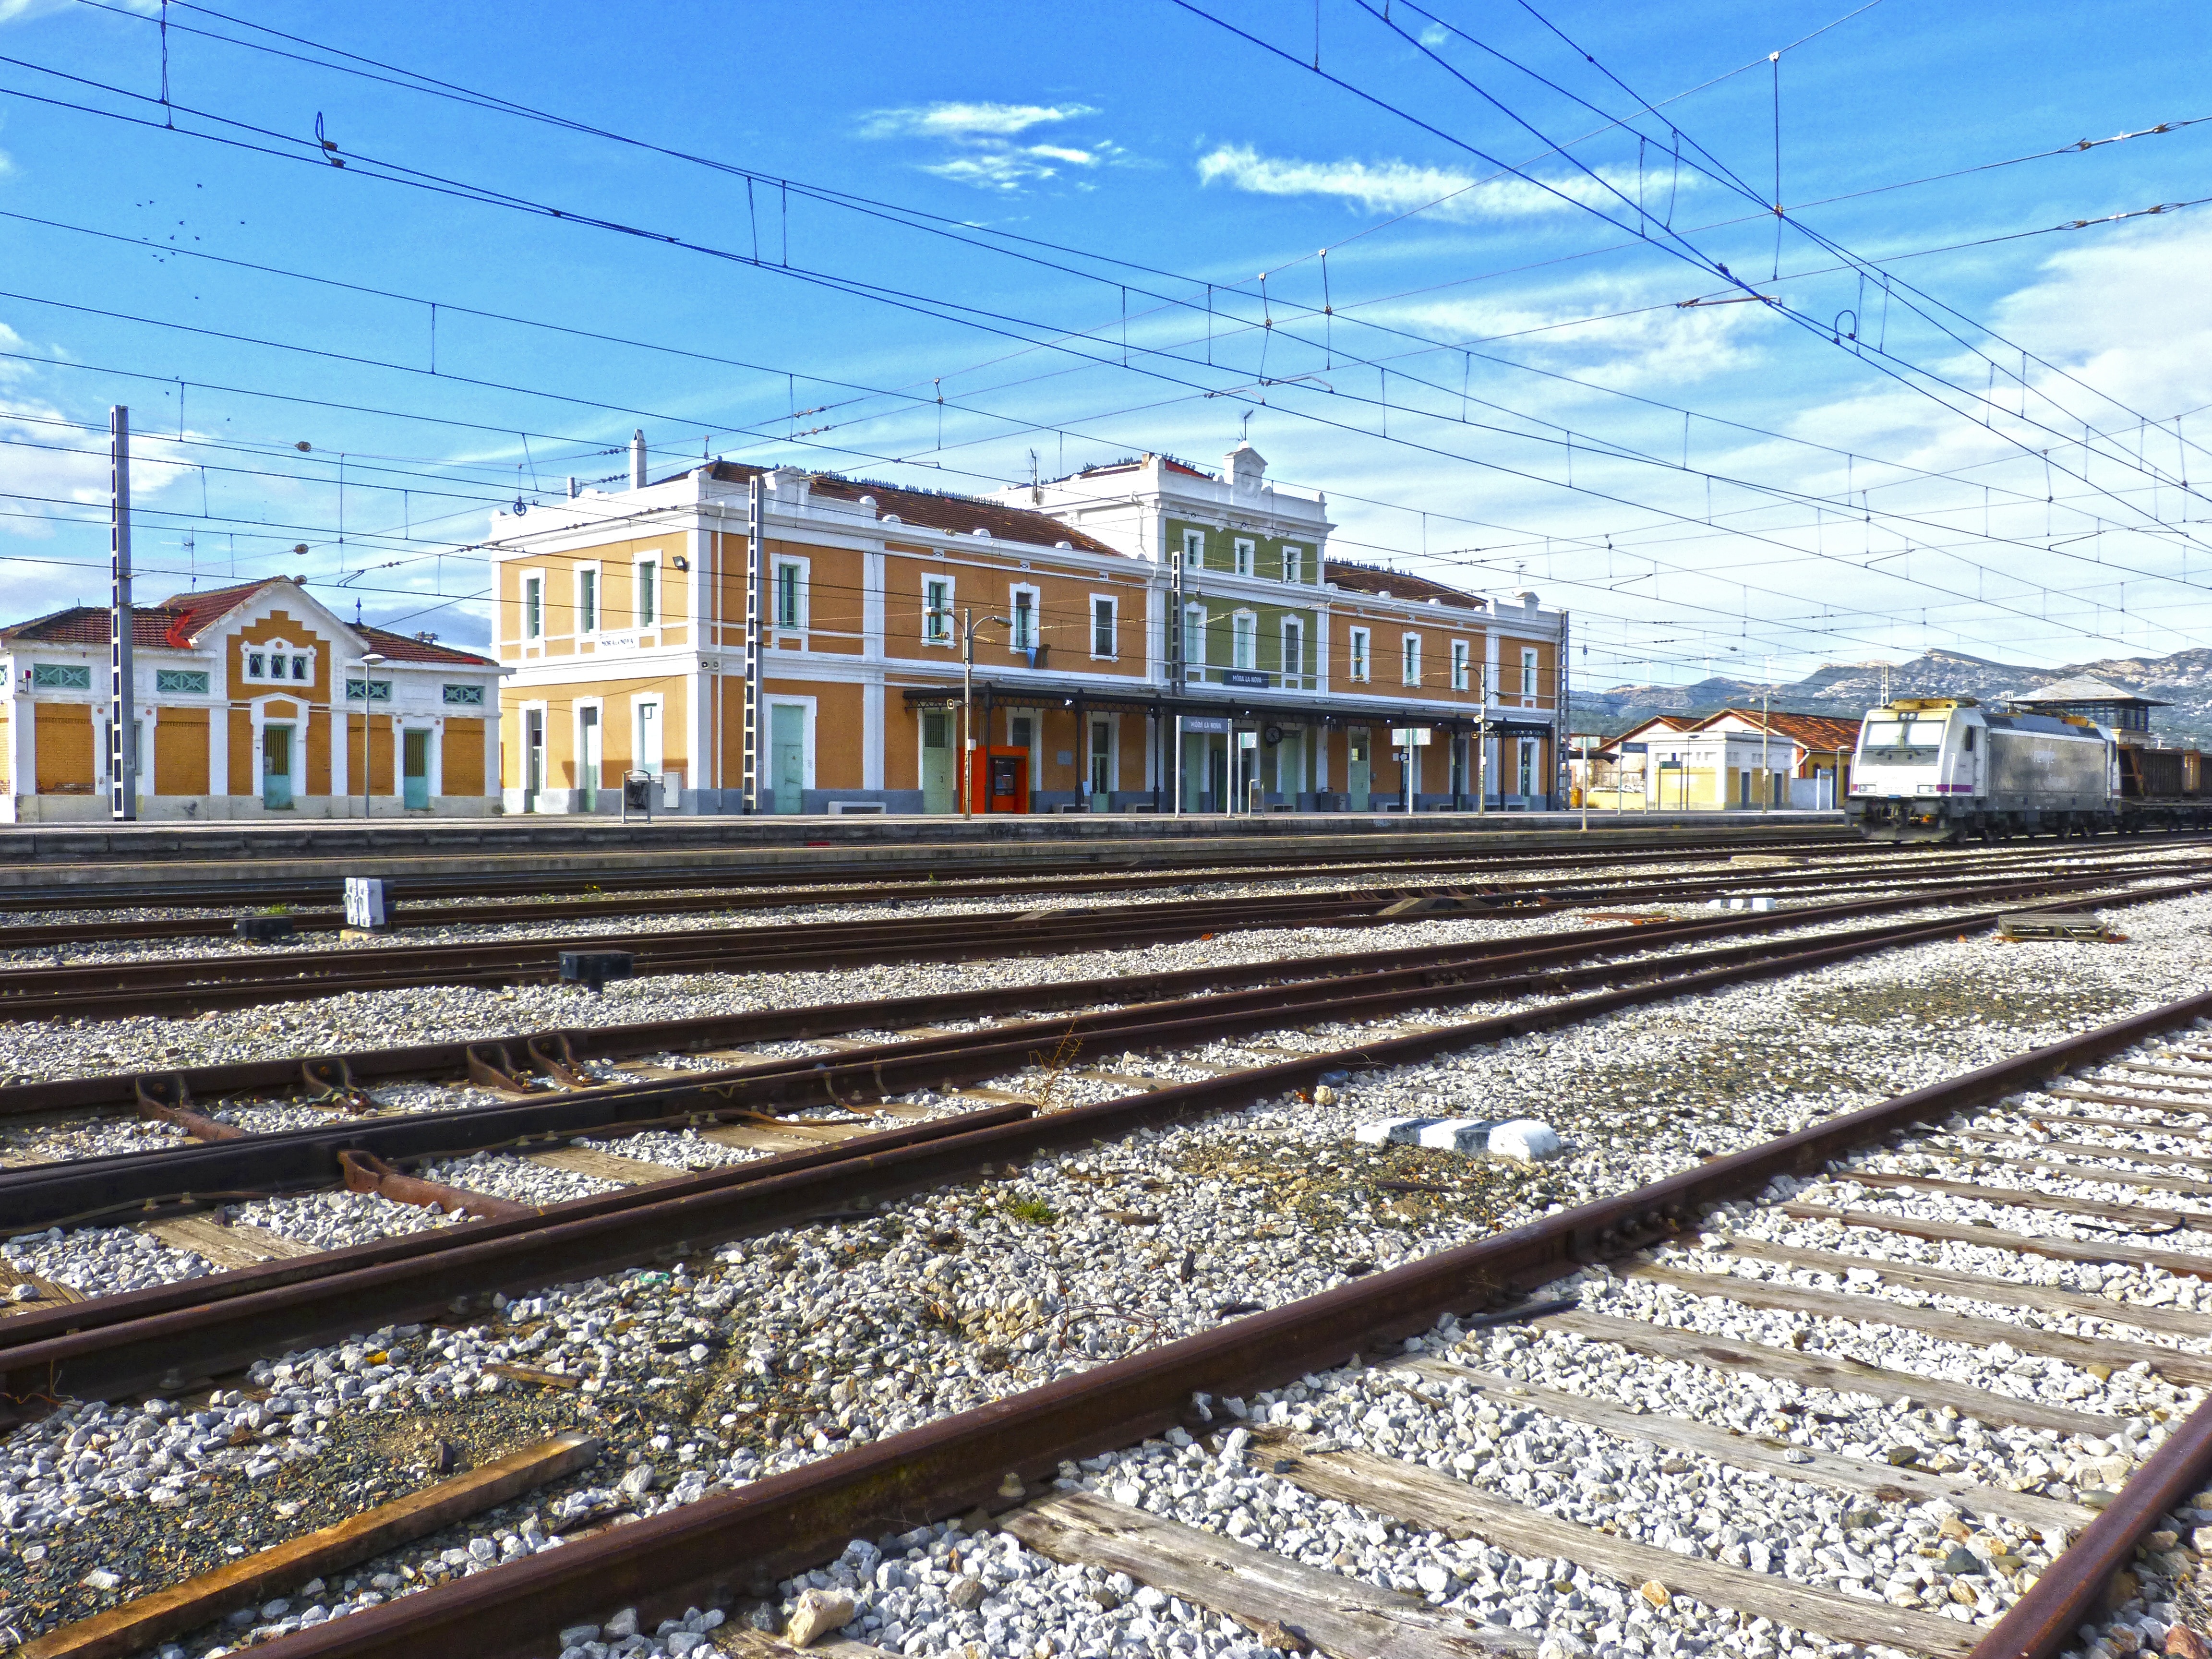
x,y
637,459
1528,601
1247,466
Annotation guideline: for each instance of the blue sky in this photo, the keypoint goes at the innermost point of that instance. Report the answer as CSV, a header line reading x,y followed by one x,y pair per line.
x,y
1055,220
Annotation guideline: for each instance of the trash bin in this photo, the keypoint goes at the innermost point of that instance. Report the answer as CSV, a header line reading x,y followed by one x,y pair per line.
x,y
637,795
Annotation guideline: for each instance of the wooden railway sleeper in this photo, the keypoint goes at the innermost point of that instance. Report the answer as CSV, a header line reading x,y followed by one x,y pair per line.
x,y
168,1100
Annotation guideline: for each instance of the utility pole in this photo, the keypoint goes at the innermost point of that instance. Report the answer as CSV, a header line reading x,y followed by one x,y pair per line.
x,y
1178,670
749,770
967,711
122,691
967,626
1766,729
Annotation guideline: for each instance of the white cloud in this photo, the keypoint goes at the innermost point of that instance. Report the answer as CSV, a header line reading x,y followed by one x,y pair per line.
x,y
1405,186
1435,35
981,150
962,120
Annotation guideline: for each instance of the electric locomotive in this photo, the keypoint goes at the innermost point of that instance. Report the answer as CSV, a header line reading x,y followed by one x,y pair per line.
x,y
1949,768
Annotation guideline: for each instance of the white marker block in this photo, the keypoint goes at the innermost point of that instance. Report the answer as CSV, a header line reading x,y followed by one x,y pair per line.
x,y
1525,1141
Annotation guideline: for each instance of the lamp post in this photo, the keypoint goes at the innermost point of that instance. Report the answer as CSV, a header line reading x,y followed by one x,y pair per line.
x,y
968,627
373,660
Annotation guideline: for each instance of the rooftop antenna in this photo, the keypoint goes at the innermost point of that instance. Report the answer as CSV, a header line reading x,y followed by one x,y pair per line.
x,y
1037,490
1244,432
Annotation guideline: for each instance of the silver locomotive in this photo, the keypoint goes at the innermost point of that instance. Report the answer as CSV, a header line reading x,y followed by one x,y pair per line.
x,y
1948,769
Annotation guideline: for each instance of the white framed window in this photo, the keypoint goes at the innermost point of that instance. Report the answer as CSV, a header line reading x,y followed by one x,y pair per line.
x,y
189,682
1294,564
588,600
790,594
1459,658
1105,640
1358,647
378,690
1242,546
1294,646
1022,613
1193,550
1527,670
1410,660
645,596
275,662
464,696
1244,639
533,604
1194,636
936,611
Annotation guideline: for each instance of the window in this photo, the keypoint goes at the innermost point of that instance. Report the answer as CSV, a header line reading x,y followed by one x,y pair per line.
x,y
1102,642
1412,665
790,594
182,682
378,690
1528,672
1244,639
1359,669
464,696
649,572
1024,619
1193,550
1294,564
63,677
1294,646
587,601
273,661
936,611
533,609
1243,546
1194,636
1459,660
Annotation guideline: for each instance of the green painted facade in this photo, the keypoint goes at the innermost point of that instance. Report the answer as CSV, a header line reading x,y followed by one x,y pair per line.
x,y
1266,552
1223,601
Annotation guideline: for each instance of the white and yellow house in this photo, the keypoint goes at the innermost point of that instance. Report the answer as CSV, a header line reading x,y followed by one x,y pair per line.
x,y
254,701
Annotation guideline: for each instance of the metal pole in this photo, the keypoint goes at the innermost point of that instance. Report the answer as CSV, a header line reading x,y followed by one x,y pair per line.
x,y
1766,731
967,709
749,769
122,691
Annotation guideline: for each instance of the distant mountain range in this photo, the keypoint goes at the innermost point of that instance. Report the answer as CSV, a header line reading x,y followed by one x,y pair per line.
x,y
2183,679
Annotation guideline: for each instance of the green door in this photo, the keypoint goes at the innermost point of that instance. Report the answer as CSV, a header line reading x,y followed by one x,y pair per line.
x,y
788,756
936,761
1358,775
415,770
276,766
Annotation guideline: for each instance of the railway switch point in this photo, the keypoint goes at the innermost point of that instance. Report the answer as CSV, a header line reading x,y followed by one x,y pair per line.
x,y
592,969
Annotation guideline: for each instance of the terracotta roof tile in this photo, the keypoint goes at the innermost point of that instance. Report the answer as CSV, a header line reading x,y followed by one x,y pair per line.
x,y
1817,732
405,648
1398,584
957,515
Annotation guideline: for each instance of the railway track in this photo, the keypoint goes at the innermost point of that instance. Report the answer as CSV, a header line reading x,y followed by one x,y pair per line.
x,y
489,867
1518,1443
420,903
735,1102
183,986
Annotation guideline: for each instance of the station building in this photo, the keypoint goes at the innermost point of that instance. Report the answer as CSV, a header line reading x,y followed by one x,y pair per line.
x,y
1136,629
252,701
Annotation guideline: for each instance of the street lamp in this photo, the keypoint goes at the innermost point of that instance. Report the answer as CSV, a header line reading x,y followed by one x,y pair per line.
x,y
373,660
968,627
